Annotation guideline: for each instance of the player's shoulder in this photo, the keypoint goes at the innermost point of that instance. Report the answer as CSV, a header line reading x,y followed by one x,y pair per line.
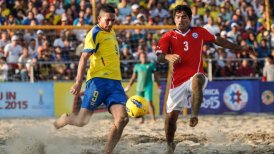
x,y
198,29
95,30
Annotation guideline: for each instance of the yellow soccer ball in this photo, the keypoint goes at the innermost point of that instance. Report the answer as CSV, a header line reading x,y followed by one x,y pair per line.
x,y
137,106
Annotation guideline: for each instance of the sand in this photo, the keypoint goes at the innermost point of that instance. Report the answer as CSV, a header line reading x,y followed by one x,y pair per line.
x,y
253,133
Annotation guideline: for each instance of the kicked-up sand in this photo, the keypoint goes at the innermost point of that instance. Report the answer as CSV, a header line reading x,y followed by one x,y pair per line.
x,y
239,134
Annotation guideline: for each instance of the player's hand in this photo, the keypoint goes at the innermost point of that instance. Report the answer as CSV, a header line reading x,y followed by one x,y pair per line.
x,y
126,89
75,89
173,58
159,90
249,49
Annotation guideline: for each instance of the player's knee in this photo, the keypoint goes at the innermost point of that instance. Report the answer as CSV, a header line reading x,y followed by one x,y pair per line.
x,y
198,82
122,121
171,122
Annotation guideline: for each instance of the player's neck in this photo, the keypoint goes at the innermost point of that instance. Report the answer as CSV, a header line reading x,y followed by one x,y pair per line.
x,y
103,28
183,31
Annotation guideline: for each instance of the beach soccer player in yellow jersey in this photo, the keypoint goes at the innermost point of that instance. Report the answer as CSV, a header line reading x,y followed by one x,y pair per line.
x,y
103,81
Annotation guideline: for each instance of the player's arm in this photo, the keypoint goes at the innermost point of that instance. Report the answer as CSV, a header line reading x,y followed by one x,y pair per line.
x,y
172,58
76,88
131,81
227,44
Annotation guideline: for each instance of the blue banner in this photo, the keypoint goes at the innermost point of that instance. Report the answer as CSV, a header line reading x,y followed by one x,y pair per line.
x,y
266,96
230,96
237,96
26,99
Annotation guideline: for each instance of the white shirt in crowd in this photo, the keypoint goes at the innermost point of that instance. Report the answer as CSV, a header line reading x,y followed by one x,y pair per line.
x,y
13,52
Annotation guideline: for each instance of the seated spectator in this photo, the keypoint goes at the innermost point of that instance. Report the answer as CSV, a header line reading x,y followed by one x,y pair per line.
x,y
263,49
30,17
80,47
245,70
81,17
268,69
59,42
159,10
4,41
88,15
33,50
234,32
124,8
211,27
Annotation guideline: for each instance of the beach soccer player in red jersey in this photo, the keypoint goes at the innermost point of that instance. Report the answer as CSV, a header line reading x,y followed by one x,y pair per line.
x,y
182,47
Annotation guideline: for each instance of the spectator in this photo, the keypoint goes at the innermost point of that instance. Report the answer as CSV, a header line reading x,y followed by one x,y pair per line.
x,y
88,15
59,42
80,47
37,15
272,35
268,69
39,38
30,17
124,8
4,68
12,52
211,27
4,41
233,33
159,10
32,48
81,17
22,64
245,70
135,11
52,16
263,49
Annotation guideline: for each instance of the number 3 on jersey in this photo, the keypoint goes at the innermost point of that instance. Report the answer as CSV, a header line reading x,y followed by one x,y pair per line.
x,y
185,46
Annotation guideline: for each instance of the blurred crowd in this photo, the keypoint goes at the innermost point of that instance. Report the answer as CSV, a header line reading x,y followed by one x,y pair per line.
x,y
53,54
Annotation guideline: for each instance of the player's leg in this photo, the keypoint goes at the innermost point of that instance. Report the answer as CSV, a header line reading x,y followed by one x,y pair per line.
x,y
198,83
77,119
93,97
174,105
121,119
115,102
142,94
170,129
149,96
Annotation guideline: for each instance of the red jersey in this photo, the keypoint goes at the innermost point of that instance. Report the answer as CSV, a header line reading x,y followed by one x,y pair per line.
x,y
188,46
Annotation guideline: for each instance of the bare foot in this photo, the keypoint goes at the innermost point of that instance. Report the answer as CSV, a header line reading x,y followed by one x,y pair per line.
x,y
170,148
60,122
193,121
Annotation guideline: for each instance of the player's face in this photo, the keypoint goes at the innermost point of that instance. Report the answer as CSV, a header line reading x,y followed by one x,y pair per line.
x,y
182,21
106,21
143,58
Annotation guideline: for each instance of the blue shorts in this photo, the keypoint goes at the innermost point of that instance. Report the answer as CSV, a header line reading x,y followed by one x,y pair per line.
x,y
101,90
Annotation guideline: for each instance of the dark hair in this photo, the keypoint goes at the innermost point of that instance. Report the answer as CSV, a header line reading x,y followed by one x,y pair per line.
x,y
185,8
107,8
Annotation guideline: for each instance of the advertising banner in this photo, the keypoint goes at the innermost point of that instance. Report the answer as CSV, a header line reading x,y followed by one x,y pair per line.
x,y
18,99
64,100
237,96
266,96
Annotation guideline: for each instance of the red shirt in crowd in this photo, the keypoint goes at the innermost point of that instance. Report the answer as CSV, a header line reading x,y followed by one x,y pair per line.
x,y
188,46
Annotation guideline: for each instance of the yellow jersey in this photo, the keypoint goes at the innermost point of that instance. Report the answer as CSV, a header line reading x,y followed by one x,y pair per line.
x,y
105,58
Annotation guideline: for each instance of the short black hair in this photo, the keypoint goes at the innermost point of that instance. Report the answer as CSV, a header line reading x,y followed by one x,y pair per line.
x,y
185,8
107,8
